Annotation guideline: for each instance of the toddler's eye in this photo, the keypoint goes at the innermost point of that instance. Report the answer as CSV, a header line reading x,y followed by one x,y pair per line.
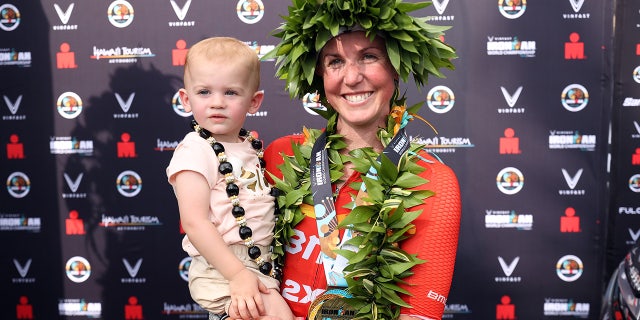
x,y
231,93
203,92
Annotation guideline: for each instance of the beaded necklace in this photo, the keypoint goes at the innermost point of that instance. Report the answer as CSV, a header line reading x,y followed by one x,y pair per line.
x,y
226,168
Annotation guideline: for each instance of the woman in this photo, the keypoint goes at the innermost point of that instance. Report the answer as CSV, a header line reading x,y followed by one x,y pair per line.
x,y
370,221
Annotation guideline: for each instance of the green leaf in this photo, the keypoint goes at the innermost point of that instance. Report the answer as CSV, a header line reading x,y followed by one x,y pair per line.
x,y
409,180
358,215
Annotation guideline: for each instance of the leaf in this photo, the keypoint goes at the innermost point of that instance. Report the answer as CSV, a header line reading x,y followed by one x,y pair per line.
x,y
409,180
358,215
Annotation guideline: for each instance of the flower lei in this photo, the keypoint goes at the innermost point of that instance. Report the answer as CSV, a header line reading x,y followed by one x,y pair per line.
x,y
376,270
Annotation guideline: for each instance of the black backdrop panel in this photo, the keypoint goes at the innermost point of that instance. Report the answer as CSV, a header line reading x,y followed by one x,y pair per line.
x,y
90,118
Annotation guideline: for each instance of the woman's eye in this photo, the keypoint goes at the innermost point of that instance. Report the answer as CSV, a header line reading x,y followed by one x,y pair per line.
x,y
335,63
370,58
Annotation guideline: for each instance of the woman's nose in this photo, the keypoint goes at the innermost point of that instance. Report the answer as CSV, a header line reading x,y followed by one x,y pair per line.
x,y
353,73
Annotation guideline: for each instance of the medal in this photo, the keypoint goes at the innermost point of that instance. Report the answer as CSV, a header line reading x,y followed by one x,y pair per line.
x,y
331,305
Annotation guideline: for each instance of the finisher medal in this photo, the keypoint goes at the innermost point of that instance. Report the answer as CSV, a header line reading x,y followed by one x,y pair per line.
x,y
331,305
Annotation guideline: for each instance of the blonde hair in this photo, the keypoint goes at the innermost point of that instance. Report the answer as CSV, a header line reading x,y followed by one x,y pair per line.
x,y
226,50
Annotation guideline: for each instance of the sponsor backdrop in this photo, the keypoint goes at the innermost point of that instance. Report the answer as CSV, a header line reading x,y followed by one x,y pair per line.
x,y
90,117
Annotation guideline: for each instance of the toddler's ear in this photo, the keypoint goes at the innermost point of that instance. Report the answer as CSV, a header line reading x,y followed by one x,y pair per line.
x,y
184,98
256,101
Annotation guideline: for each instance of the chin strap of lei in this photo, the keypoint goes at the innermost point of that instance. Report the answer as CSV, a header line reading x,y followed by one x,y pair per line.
x,y
376,270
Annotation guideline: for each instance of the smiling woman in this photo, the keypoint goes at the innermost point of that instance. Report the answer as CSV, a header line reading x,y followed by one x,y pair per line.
x,y
385,229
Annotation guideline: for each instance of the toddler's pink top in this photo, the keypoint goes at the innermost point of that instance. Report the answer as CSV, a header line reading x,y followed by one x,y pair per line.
x,y
195,154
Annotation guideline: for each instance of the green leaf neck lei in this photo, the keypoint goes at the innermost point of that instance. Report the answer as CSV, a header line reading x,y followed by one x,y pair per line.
x,y
376,271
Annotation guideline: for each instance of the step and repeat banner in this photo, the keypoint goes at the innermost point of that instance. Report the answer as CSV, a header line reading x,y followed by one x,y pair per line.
x,y
90,116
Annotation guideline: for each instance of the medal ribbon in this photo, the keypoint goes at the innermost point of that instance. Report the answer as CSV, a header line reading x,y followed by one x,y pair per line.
x,y
325,209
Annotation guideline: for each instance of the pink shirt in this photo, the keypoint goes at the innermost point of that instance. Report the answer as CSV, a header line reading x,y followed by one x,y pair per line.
x,y
195,154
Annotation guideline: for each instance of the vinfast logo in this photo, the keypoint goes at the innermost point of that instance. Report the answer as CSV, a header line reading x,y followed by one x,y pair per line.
x,y
634,236
23,270
572,181
440,6
64,16
13,107
132,270
507,269
511,99
576,5
73,185
181,13
125,106
636,135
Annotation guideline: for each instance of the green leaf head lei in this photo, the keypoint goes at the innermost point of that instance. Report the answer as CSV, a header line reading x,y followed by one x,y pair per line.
x,y
413,45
